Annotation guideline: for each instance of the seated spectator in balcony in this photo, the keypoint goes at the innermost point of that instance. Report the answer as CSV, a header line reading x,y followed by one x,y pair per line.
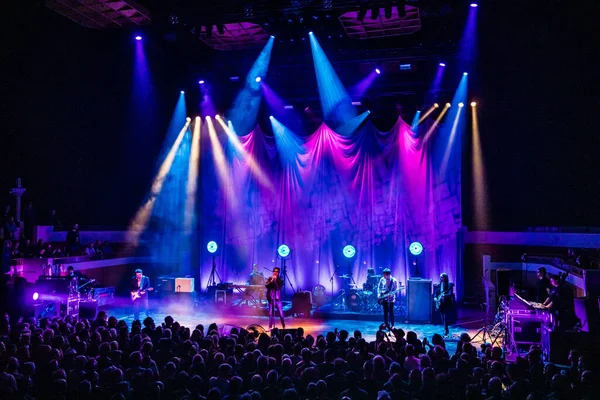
x,y
39,246
107,251
10,229
27,249
16,251
98,247
58,252
47,251
53,219
90,250
73,241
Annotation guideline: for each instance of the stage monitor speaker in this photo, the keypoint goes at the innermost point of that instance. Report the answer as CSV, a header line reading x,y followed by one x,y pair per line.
x,y
222,298
88,309
557,344
166,284
419,300
184,285
503,282
302,303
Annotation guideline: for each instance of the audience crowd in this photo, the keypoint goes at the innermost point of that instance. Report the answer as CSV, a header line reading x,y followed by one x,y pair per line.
x,y
61,358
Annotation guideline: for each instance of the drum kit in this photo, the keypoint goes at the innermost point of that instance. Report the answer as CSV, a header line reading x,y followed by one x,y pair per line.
x,y
354,298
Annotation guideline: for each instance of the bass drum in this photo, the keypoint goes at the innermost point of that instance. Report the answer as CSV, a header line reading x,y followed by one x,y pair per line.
x,y
355,302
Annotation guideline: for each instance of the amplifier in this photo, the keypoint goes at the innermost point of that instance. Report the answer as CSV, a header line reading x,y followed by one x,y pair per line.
x,y
184,285
73,306
165,284
104,295
302,303
557,344
419,300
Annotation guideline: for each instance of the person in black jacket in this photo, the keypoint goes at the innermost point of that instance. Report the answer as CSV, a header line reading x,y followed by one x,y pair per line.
x,y
139,287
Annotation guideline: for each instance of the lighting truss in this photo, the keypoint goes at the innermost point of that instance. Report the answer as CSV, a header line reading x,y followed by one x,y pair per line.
x,y
102,14
369,28
236,36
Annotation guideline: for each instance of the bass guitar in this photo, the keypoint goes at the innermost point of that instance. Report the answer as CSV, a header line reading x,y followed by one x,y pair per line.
x,y
441,299
384,295
136,294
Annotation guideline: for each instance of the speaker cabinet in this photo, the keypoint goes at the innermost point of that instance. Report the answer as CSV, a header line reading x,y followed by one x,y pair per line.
x,y
503,282
88,309
184,285
302,303
419,300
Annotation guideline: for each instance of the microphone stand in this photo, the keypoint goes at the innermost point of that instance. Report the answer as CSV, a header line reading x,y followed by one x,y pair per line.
x,y
331,280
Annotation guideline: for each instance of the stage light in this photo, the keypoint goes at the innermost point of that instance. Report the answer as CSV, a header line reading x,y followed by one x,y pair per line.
x,y
310,33
349,251
461,104
473,104
283,251
201,82
138,38
465,73
36,296
212,246
448,105
188,120
442,65
272,36
257,79
182,92
378,71
436,105
415,248
473,5
270,117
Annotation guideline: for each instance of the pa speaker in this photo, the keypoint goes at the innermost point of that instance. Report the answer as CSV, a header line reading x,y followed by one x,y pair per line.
x,y
88,309
419,300
503,282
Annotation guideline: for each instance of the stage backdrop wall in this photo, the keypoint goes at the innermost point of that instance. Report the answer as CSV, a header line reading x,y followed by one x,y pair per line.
x,y
378,191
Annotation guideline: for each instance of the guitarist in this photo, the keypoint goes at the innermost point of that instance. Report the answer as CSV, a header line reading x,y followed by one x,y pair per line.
x,y
139,287
444,299
386,295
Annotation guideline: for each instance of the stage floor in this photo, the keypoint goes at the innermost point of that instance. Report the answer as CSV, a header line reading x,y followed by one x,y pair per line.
x,y
190,315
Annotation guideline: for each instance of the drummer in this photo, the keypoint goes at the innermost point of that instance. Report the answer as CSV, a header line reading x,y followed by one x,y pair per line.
x,y
372,280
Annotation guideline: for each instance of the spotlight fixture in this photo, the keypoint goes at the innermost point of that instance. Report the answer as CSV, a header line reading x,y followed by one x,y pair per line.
x,y
349,251
182,92
257,79
270,117
283,251
415,248
249,10
310,33
473,104
474,5
465,73
201,82
374,12
436,105
212,245
442,65
272,36
36,296
188,119
378,71
461,104
138,38
448,105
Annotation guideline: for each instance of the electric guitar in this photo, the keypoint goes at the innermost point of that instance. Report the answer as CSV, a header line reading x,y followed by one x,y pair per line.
x,y
441,298
384,295
136,294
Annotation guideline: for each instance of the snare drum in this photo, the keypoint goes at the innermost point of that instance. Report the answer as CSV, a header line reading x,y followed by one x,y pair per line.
x,y
354,301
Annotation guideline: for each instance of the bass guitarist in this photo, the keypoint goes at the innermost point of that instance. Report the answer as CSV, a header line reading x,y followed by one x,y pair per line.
x,y
386,296
444,299
139,288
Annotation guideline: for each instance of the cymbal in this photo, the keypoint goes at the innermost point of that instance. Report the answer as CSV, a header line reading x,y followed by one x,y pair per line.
x,y
374,276
345,276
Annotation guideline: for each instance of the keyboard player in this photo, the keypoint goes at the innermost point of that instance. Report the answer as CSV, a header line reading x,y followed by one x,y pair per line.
x,y
256,279
543,287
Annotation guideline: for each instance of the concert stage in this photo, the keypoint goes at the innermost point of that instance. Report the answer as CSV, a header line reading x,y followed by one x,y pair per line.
x,y
205,312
